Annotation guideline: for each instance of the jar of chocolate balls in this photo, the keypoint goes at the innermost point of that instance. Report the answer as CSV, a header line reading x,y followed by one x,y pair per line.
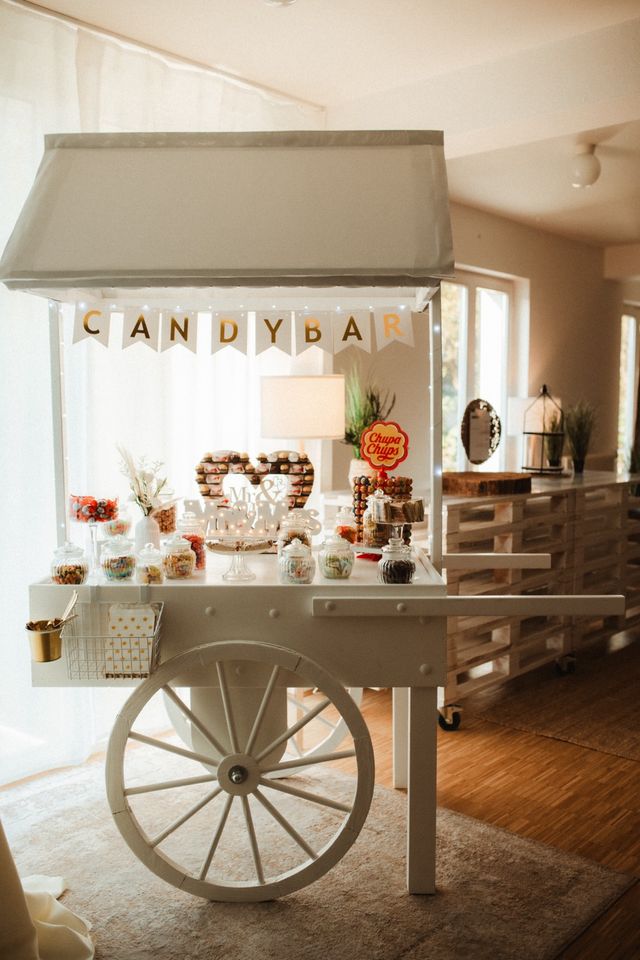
x,y
396,564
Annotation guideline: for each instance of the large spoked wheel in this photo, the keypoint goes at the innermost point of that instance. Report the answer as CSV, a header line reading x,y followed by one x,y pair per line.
x,y
230,832
330,730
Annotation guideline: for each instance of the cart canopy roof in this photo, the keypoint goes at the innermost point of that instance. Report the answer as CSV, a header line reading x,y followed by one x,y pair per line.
x,y
110,214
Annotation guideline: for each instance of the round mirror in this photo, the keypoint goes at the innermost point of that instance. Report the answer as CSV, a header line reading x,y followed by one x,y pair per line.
x,y
480,431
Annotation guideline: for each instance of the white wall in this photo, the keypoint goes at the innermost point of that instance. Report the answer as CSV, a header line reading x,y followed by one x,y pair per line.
x,y
574,331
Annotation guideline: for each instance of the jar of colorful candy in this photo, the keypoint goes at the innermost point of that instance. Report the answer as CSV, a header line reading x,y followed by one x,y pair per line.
x,y
118,561
191,529
345,525
179,560
69,565
295,563
336,558
294,527
92,509
149,565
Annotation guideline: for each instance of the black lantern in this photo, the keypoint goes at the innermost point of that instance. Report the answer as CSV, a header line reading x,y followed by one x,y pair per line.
x,y
543,433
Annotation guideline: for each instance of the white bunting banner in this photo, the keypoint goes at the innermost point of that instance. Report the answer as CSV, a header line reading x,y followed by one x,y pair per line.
x,y
141,326
273,329
393,325
229,329
313,330
91,323
330,330
352,329
179,327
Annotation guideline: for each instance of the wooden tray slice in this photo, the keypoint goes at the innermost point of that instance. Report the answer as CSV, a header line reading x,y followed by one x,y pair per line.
x,y
475,484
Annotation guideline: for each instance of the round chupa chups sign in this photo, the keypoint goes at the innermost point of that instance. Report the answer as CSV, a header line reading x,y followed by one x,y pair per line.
x,y
384,445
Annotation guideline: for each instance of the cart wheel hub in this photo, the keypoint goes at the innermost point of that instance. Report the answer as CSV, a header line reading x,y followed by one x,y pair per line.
x,y
238,774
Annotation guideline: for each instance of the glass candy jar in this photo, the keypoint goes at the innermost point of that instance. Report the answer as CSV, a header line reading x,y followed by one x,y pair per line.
x,y
179,560
69,565
118,561
376,519
396,564
149,567
336,558
345,526
294,528
295,563
191,529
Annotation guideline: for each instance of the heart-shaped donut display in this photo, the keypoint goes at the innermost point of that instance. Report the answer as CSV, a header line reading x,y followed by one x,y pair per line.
x,y
214,467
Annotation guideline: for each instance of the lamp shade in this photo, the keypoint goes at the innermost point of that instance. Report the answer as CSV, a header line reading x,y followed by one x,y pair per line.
x,y
303,408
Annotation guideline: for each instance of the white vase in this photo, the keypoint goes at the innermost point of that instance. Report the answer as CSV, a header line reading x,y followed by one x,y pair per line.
x,y
146,531
360,468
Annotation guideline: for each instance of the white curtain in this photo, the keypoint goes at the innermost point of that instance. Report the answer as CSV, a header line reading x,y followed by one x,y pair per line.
x,y
57,78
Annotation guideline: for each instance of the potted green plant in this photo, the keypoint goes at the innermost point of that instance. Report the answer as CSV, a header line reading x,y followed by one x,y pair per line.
x,y
554,439
365,403
579,422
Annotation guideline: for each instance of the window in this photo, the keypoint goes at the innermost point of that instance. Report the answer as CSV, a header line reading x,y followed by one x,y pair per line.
x,y
479,357
628,385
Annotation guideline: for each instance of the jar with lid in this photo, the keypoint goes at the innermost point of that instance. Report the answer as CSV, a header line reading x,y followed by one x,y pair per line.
x,y
191,529
345,525
294,528
295,563
396,564
118,561
69,565
179,560
336,558
149,565
376,519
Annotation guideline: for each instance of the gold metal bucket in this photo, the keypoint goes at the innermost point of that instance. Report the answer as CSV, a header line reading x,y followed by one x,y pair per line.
x,y
46,642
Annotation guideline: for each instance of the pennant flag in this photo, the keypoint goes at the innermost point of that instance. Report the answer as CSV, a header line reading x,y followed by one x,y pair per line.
x,y
229,329
141,326
313,330
91,323
352,329
179,327
273,330
393,324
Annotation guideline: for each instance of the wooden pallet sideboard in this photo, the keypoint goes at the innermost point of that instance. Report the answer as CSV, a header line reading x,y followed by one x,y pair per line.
x,y
591,529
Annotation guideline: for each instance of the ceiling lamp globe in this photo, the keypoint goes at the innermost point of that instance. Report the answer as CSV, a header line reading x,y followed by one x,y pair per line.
x,y
585,166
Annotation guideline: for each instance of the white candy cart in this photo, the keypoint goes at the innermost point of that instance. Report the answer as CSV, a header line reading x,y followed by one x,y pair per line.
x,y
247,671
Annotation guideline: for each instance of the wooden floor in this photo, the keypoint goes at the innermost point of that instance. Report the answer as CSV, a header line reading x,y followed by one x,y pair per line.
x,y
570,797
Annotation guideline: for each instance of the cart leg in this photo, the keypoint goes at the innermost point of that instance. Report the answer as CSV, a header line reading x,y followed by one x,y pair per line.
x,y
421,799
400,730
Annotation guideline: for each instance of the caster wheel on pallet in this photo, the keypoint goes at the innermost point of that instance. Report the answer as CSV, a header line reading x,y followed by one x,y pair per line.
x,y
230,832
450,720
565,665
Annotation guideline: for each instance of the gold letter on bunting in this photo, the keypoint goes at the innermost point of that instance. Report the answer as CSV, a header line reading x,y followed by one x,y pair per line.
x,y
273,330
141,326
90,323
352,328
229,329
179,327
393,324
313,330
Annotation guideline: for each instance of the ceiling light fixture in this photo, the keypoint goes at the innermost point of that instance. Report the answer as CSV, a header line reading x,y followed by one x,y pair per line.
x,y
279,3
585,166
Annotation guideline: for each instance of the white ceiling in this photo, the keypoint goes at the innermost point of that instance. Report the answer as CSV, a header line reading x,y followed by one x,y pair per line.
x,y
513,83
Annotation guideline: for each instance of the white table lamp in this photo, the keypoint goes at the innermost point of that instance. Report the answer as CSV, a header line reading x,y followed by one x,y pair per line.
x,y
303,408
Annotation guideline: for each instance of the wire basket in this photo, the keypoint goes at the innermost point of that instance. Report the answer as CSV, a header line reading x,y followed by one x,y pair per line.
x,y
112,640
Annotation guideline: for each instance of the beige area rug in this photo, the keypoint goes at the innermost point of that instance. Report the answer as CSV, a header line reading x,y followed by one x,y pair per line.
x,y
598,706
499,896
